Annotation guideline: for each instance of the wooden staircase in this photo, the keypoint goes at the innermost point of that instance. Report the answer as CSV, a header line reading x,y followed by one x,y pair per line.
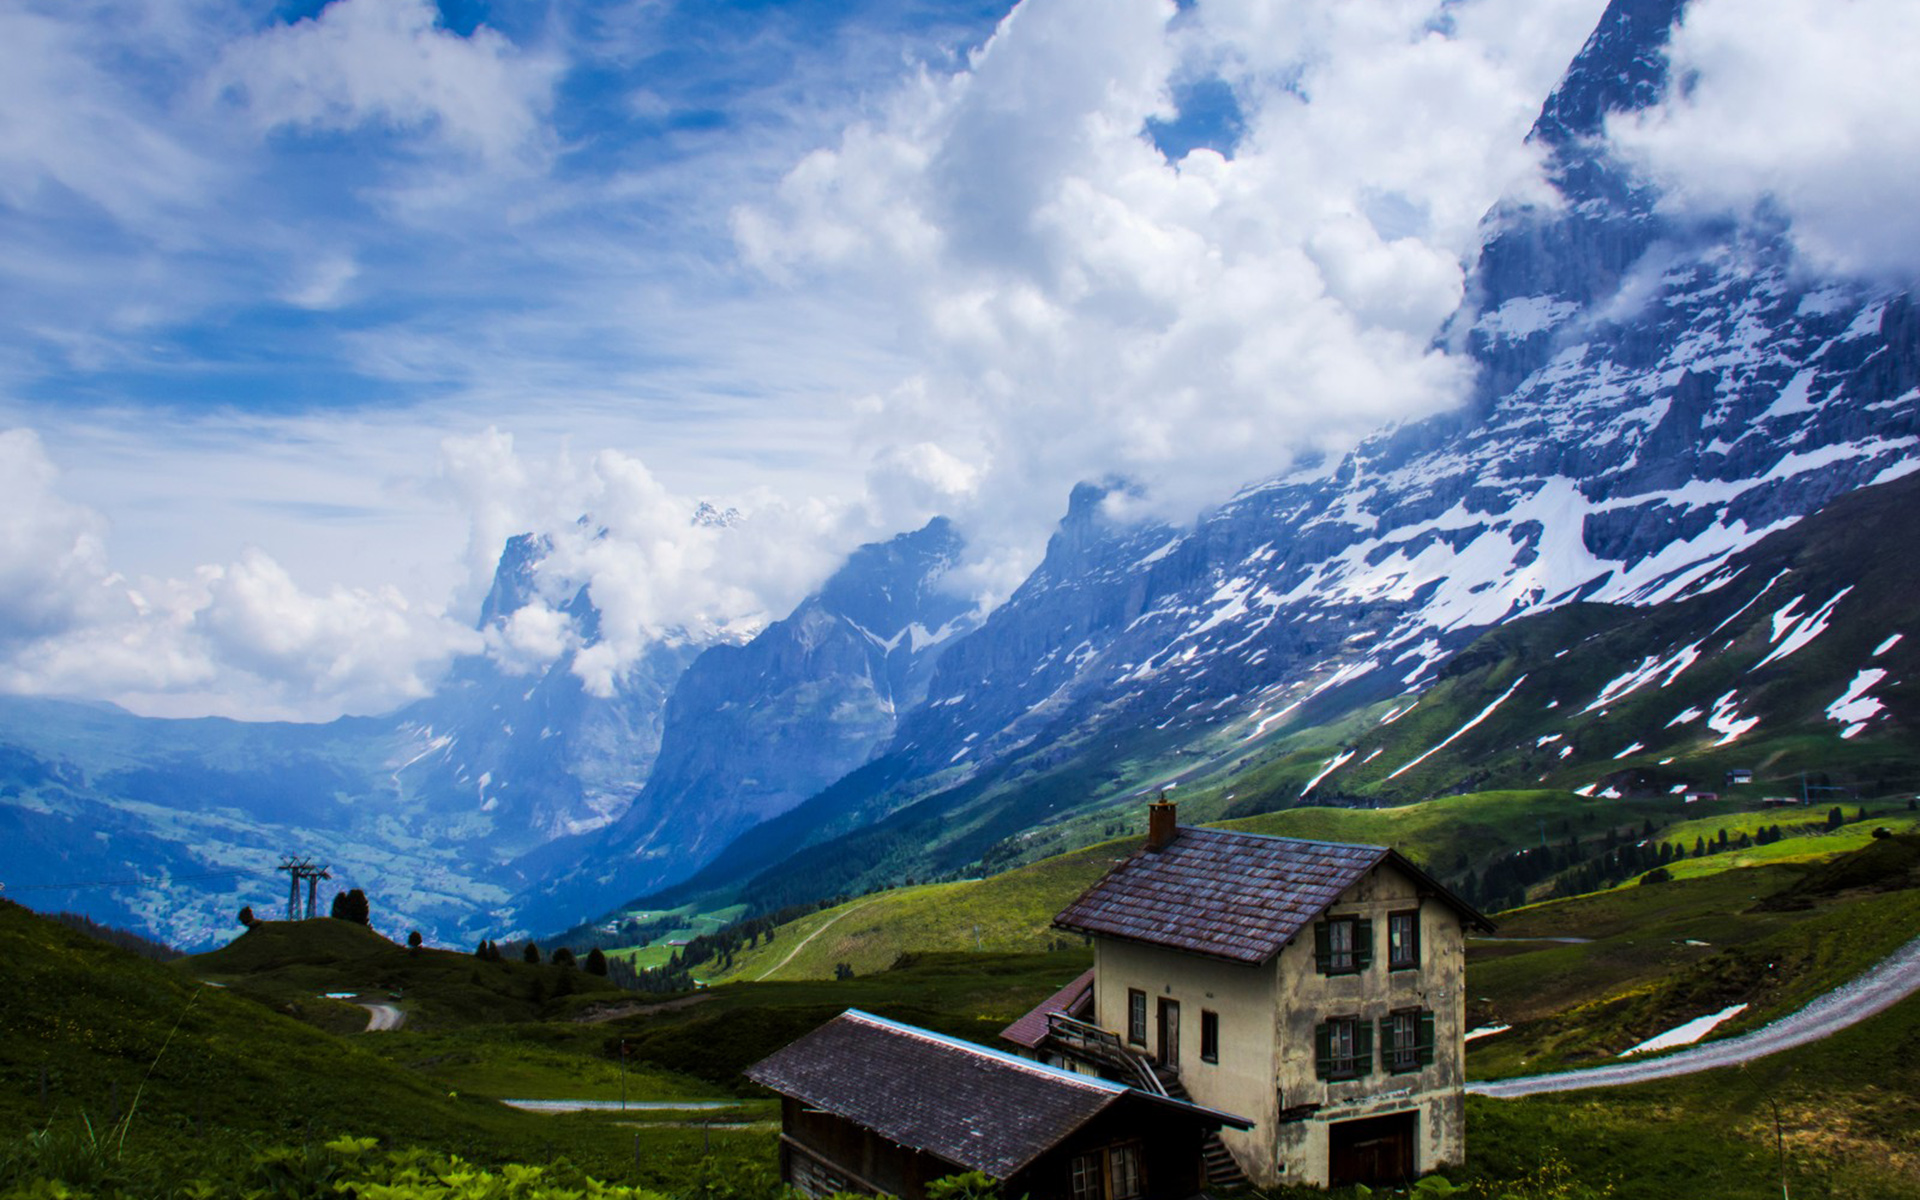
x,y
1222,1171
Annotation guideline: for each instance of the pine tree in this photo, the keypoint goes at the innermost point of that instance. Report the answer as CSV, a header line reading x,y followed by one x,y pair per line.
x,y
596,961
531,954
351,905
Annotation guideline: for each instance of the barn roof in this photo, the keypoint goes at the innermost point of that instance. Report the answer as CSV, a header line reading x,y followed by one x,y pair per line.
x,y
977,1108
1236,896
1031,1029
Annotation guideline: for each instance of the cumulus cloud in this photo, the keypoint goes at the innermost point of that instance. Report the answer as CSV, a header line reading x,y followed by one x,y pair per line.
x,y
391,62
649,568
1805,107
1082,306
240,638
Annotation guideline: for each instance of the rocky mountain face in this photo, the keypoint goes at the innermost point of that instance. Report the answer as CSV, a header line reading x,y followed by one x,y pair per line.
x,y
1655,397
752,730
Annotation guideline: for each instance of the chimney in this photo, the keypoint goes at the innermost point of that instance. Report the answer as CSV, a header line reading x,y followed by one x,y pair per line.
x,y
1160,826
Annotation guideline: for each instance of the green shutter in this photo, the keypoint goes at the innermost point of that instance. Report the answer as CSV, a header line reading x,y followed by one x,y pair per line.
x,y
1362,944
1322,1051
1362,1048
1425,1044
1322,949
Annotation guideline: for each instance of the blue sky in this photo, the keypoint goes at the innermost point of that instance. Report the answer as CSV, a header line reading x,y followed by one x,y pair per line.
x,y
308,306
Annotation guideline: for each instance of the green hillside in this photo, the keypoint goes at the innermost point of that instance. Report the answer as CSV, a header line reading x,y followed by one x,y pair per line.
x,y
293,965
1013,911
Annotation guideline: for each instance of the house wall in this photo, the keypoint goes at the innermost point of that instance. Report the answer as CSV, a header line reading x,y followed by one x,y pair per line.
x,y
866,1161
1307,998
1268,1018
1242,1081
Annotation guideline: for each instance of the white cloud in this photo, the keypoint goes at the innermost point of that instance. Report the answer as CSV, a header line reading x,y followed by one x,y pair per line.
x,y
241,639
1081,306
391,63
648,568
1806,106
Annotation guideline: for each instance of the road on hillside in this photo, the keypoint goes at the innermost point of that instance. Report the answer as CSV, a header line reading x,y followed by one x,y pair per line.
x,y
383,1018
1893,980
816,933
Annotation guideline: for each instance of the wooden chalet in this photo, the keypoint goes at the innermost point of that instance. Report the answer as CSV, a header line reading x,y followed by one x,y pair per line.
x,y
871,1105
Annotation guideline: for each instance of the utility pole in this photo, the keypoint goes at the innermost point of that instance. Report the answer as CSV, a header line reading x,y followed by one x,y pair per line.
x,y
314,876
298,869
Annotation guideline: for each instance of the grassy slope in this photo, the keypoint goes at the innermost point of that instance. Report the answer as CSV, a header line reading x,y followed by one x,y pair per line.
x,y
1012,911
291,965
1849,1107
1664,954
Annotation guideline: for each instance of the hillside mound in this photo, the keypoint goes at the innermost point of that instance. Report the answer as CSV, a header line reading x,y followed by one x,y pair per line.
x,y
290,965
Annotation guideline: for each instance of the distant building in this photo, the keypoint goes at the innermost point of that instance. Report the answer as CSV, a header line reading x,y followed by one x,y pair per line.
x,y
871,1105
1739,776
1691,797
1316,987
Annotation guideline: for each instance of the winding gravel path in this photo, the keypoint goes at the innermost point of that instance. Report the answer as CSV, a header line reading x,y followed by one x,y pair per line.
x,y
816,933
1894,979
383,1018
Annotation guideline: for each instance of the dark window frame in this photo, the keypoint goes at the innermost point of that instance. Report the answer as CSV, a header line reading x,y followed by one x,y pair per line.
x,y
1209,1036
1404,954
1126,1171
1406,1040
1343,1048
1343,945
1085,1176
1136,1017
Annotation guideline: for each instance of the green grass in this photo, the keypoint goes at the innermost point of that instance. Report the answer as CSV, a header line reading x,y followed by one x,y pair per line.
x,y
291,965
504,1063
1849,1108
1013,911
1664,954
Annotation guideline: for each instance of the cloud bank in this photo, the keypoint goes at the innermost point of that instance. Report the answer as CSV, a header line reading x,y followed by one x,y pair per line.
x,y
1082,306
1803,109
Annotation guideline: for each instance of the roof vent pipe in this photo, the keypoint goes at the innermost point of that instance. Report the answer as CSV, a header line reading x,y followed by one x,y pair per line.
x,y
1160,823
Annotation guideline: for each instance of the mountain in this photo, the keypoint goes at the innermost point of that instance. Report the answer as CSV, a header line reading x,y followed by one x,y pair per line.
x,y
508,800
752,730
1655,396
1662,403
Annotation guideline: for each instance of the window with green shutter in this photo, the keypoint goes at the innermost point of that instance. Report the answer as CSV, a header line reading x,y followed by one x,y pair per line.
x,y
1343,945
1343,1048
1406,1040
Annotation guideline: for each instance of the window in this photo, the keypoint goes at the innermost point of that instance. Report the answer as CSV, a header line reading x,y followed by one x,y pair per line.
x,y
1086,1176
1343,1048
1109,1174
1136,1016
1403,941
1123,1171
1406,1040
1209,1036
1343,945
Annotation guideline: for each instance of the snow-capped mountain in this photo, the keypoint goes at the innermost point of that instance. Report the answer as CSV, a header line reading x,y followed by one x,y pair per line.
x,y
1655,396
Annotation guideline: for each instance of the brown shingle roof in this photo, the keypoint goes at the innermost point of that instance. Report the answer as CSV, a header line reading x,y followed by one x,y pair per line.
x,y
1073,1000
974,1107
1237,896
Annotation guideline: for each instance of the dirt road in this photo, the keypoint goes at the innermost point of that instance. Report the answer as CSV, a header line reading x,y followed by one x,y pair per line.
x,y
1893,980
382,1018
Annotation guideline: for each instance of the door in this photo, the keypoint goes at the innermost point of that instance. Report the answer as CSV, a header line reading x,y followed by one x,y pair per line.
x,y
1169,1055
1372,1150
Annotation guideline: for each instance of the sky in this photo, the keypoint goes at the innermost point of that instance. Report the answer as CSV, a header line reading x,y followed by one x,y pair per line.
x,y
309,306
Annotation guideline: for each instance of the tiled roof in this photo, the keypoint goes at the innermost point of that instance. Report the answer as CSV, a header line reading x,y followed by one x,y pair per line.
x,y
977,1108
1031,1030
1237,896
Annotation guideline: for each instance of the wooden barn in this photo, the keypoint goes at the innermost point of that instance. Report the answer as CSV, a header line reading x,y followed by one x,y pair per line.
x,y
871,1105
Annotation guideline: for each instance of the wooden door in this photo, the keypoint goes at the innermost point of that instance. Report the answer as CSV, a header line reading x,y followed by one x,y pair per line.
x,y
1373,1150
1169,1055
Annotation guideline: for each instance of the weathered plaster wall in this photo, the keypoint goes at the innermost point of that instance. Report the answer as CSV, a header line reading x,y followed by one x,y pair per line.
x,y
1306,998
